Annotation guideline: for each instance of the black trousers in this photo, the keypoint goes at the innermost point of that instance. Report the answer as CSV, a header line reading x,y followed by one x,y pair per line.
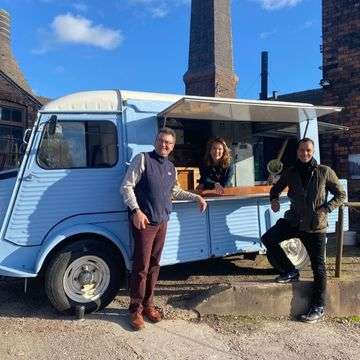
x,y
314,243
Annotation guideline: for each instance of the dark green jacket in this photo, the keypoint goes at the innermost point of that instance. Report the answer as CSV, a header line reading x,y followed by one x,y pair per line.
x,y
305,203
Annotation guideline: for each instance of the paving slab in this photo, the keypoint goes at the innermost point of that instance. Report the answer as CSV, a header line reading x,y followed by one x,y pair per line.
x,y
267,298
235,285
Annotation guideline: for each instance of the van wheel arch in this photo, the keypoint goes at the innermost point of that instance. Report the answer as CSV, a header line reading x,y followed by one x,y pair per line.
x,y
78,237
83,251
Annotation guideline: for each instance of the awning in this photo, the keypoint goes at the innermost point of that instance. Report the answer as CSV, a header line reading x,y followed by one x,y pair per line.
x,y
244,110
283,130
328,128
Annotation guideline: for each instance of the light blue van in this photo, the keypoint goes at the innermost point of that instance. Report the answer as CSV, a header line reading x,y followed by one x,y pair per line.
x,y
61,212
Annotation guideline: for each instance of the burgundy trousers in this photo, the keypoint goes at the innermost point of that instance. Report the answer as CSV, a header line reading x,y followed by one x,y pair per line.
x,y
149,244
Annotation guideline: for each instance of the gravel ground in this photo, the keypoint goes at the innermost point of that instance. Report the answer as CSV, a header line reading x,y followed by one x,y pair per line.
x,y
31,329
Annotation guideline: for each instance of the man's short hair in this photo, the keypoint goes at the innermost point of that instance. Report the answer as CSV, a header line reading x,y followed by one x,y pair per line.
x,y
305,140
167,131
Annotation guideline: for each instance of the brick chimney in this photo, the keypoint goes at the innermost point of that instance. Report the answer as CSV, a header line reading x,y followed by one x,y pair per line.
x,y
8,62
210,69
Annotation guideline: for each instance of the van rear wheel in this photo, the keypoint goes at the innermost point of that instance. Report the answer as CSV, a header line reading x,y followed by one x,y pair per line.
x,y
86,272
296,253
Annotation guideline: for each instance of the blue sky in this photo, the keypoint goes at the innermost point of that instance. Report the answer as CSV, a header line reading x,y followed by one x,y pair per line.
x,y
65,46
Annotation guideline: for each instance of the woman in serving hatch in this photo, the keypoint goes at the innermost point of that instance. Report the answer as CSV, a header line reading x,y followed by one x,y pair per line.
x,y
217,170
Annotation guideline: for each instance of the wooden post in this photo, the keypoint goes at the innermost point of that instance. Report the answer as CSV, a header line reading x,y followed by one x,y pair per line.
x,y
339,241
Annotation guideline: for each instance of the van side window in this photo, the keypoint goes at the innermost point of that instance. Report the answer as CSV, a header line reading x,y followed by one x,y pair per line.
x,y
79,144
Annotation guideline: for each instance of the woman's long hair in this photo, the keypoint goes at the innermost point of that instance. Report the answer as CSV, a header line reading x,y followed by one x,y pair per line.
x,y
225,161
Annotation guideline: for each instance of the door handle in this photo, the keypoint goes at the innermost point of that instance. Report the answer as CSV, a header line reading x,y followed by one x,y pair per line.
x,y
29,177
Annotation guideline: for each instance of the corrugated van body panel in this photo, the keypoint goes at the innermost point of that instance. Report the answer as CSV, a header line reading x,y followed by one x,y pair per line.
x,y
43,202
267,217
141,125
234,226
48,197
187,237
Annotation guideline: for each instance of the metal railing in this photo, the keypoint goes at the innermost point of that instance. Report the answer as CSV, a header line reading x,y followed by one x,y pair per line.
x,y
340,236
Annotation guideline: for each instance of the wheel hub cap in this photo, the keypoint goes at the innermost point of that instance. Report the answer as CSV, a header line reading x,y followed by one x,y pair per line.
x,y
86,279
295,251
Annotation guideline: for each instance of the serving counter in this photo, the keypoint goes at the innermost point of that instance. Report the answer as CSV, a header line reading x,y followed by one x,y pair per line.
x,y
233,223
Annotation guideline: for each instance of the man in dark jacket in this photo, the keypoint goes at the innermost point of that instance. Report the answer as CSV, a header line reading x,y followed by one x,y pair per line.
x,y
308,186
147,189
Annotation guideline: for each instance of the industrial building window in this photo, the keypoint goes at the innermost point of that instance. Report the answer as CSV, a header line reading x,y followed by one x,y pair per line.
x,y
10,114
11,148
79,144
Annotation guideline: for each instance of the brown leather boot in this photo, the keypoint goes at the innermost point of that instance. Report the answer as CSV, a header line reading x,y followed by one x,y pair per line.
x,y
136,321
153,314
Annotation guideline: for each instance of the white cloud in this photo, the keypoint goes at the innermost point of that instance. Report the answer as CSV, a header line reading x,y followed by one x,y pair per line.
x,y
158,8
306,25
80,30
59,69
71,29
159,12
47,41
266,34
278,4
79,6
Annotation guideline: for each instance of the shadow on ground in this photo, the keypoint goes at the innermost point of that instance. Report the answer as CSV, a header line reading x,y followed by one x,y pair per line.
x,y
178,288
232,266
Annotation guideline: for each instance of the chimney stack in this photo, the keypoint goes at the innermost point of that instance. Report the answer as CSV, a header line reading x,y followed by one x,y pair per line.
x,y
210,69
8,63
264,75
5,25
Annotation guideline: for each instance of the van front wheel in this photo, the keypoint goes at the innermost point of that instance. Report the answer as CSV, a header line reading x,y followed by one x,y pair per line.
x,y
86,273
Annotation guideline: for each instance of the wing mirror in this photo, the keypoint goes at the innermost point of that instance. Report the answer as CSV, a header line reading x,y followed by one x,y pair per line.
x,y
26,136
52,125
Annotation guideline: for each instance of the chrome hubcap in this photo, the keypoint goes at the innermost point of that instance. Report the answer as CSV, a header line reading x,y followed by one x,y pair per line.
x,y
86,279
295,251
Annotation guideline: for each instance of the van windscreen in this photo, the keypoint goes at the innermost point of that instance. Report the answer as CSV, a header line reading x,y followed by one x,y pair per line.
x,y
79,144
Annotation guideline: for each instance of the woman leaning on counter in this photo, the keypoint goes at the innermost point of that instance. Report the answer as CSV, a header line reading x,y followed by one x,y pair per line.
x,y
217,170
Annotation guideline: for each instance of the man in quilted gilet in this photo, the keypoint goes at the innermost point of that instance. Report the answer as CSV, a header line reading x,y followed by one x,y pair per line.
x,y
148,187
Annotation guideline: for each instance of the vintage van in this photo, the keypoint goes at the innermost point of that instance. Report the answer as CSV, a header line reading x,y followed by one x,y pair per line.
x,y
61,212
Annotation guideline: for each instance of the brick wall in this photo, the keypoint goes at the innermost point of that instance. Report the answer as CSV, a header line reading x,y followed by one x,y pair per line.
x,y
341,67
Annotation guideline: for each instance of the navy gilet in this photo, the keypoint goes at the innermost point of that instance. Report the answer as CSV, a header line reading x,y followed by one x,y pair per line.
x,y
153,191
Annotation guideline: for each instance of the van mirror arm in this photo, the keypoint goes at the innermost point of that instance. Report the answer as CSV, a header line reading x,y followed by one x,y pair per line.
x,y
26,136
52,125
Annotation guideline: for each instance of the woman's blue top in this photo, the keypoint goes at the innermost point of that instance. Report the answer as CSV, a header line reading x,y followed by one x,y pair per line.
x,y
211,174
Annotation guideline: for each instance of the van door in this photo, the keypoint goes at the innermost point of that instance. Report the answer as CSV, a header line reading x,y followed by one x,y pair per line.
x,y
7,184
75,171
11,151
